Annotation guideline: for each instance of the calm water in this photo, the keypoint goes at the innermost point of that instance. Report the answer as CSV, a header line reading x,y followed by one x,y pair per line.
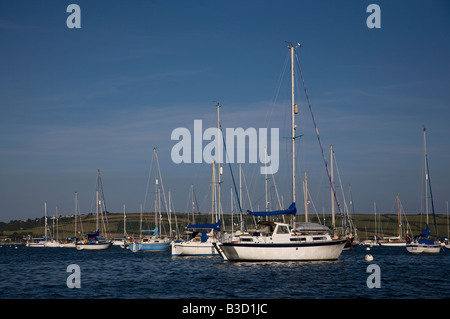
x,y
29,273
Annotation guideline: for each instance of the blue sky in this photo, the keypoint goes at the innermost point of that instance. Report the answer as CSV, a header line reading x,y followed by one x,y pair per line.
x,y
101,97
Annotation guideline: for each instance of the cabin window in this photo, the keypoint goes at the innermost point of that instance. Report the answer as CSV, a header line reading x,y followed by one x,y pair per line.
x,y
302,239
246,239
319,238
282,230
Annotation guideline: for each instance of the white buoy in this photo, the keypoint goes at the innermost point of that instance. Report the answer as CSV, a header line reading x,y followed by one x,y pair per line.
x,y
368,257
367,248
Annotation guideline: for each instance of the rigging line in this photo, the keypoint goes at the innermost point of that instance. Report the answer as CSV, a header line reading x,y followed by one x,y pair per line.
x,y
321,147
232,175
104,205
431,195
148,182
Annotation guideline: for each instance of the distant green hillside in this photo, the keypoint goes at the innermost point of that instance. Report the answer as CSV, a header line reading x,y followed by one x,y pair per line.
x,y
386,224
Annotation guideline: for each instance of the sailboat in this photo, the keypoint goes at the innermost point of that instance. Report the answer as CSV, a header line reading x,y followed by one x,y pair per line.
x,y
201,241
40,242
280,241
423,243
154,242
54,242
93,241
122,241
396,241
71,242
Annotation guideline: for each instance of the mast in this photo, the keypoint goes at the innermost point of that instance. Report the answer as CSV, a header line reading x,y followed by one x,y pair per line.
x,y
398,218
305,195
124,222
213,193
219,161
97,195
292,48
156,192
426,173
294,110
333,219
45,220
76,208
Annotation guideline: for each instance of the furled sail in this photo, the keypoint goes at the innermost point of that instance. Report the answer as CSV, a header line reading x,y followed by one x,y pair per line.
x,y
291,210
215,226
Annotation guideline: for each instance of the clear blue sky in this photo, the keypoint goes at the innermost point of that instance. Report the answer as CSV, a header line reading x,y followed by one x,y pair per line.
x,y
101,97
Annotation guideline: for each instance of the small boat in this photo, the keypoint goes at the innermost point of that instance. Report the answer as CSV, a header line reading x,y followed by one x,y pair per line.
x,y
40,242
52,243
155,241
70,242
150,244
201,242
423,243
93,241
36,242
396,241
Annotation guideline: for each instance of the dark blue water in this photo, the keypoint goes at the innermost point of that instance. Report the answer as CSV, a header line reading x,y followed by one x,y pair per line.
x,y
30,273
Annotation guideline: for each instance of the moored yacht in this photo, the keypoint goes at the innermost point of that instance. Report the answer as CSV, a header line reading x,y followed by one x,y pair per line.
x,y
278,241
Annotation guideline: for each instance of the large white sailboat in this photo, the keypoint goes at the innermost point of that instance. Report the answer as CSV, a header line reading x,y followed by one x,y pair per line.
x,y
94,241
423,243
280,241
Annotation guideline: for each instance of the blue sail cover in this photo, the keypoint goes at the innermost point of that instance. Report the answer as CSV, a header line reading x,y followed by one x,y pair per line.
x,y
215,226
94,235
291,210
426,232
154,231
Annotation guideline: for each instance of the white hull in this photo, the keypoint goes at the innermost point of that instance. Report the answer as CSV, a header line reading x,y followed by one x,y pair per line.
x,y
422,248
52,244
94,246
68,245
393,244
282,252
192,248
35,245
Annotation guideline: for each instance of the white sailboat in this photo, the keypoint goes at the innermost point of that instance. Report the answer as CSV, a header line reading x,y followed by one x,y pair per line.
x,y
278,241
424,243
122,241
399,240
93,241
201,242
71,242
54,242
40,242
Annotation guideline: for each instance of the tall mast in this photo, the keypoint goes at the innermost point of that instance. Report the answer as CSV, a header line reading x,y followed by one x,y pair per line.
x,y
398,218
124,221
426,172
76,208
305,194
98,196
45,220
219,160
292,48
333,219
